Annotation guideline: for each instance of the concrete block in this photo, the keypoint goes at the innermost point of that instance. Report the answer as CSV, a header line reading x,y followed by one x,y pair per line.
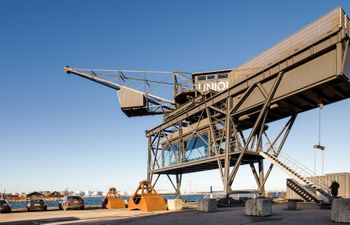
x,y
174,204
341,210
292,204
207,205
258,207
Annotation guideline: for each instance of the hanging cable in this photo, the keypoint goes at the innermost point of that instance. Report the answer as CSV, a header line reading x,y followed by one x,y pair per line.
x,y
319,146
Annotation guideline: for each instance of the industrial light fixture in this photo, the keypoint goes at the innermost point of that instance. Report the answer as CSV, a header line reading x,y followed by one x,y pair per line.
x,y
244,117
274,106
321,147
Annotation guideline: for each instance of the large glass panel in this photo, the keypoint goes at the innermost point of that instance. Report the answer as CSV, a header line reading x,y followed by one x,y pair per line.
x,y
196,148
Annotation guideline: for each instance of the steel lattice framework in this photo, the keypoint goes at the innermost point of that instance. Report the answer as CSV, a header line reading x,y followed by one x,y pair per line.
x,y
228,129
223,124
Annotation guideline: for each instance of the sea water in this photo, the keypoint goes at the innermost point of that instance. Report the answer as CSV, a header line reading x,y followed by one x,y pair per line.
x,y
97,201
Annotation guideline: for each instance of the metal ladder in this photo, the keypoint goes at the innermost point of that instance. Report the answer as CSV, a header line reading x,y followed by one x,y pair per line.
x,y
305,188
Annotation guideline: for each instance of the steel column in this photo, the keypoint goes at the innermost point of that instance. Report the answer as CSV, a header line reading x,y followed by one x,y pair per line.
x,y
256,125
227,186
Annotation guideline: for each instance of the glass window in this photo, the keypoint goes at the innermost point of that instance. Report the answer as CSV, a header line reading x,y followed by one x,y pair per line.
x,y
222,75
210,77
202,77
196,147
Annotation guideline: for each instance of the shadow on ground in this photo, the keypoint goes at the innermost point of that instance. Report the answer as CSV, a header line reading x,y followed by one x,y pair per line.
x,y
42,221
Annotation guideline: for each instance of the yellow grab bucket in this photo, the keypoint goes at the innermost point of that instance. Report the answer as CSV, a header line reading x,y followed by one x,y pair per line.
x,y
113,200
115,203
146,199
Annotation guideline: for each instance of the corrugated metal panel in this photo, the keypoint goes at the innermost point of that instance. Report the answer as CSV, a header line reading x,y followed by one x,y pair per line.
x,y
129,98
309,73
294,43
347,64
253,99
305,75
342,178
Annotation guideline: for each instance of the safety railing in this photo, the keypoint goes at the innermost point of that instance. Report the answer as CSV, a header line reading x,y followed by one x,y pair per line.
x,y
302,170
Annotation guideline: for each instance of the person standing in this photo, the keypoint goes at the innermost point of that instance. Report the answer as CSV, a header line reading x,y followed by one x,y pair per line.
x,y
334,189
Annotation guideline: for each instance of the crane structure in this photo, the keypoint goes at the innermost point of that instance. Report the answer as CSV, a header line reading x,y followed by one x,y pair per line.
x,y
220,119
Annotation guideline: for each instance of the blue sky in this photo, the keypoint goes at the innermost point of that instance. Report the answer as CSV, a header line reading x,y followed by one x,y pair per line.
x,y
59,131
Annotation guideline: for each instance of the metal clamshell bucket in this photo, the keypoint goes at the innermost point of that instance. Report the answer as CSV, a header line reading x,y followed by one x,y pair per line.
x,y
113,200
115,203
146,199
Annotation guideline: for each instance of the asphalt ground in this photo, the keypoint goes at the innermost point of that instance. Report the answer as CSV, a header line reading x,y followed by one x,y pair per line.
x,y
309,214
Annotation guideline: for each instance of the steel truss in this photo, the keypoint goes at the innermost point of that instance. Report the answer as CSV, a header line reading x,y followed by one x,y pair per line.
x,y
228,141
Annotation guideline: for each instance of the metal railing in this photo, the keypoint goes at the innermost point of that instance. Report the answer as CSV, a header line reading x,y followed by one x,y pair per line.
x,y
302,170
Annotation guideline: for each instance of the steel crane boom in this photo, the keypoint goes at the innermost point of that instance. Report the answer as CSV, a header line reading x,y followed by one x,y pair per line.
x,y
132,101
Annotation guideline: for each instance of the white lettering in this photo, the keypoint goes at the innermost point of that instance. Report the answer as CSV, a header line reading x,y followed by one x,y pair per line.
x,y
215,86
222,85
207,87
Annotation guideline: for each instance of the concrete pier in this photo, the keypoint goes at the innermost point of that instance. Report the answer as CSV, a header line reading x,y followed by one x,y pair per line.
x,y
341,210
258,207
292,204
207,205
174,204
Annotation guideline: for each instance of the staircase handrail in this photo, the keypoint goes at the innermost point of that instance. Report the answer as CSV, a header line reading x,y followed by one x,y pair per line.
x,y
304,171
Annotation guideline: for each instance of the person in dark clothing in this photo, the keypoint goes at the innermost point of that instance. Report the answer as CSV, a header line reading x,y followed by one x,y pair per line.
x,y
334,189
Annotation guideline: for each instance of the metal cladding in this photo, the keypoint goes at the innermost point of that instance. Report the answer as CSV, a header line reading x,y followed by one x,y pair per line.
x,y
342,178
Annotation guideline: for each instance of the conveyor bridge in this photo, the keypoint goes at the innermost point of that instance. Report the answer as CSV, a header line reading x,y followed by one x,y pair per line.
x,y
228,129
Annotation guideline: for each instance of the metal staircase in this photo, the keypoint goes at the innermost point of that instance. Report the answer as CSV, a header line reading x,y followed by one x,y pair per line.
x,y
314,190
303,192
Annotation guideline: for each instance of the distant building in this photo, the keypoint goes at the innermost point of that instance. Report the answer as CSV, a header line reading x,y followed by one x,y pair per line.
x,y
98,193
80,193
55,194
12,196
342,178
65,192
34,194
276,194
93,193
